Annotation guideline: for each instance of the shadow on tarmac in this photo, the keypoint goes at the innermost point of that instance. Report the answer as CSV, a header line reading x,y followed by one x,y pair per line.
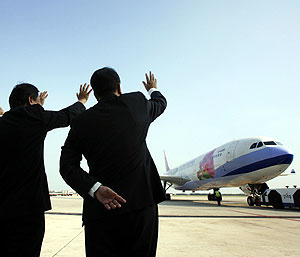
x,y
228,204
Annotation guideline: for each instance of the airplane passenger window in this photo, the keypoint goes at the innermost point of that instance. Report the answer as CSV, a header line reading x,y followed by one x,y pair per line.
x,y
260,144
269,143
253,145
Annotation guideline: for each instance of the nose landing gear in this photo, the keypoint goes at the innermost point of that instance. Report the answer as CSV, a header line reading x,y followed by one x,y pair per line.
x,y
253,200
256,191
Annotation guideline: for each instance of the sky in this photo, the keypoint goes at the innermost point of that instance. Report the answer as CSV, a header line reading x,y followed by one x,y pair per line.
x,y
229,69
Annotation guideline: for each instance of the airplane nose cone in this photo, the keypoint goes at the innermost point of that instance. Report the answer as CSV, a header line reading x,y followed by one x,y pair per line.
x,y
282,155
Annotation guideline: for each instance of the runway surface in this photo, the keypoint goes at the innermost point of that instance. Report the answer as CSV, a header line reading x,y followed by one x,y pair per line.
x,y
190,226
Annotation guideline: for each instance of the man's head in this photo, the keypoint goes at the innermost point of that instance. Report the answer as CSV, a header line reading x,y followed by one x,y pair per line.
x,y
105,81
24,94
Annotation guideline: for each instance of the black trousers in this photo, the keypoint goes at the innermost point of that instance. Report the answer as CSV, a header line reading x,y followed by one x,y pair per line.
x,y
22,236
132,234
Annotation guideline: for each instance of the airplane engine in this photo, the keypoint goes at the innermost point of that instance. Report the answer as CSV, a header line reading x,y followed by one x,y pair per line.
x,y
246,189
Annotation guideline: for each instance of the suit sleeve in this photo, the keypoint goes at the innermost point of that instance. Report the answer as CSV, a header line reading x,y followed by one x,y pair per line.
x,y
70,169
156,105
62,118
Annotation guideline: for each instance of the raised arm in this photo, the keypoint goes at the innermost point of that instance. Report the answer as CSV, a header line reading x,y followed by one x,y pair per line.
x,y
151,81
43,97
62,118
158,103
84,93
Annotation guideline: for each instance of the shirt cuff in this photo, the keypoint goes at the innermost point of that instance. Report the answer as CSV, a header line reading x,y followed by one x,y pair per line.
x,y
94,189
151,90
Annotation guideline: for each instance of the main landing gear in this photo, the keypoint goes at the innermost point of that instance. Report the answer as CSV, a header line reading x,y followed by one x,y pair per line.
x,y
256,191
214,196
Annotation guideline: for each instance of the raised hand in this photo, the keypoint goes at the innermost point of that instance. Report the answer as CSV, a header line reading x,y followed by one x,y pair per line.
x,y
1,111
84,93
109,198
150,82
43,97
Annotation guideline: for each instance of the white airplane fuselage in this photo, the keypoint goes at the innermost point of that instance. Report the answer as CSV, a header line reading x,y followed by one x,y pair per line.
x,y
252,160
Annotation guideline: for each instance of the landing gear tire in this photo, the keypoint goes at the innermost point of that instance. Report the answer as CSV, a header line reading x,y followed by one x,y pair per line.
x,y
256,191
257,202
209,197
250,201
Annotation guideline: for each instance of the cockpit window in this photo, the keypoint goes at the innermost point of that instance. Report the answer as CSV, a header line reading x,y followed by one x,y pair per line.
x,y
278,143
253,145
260,144
269,143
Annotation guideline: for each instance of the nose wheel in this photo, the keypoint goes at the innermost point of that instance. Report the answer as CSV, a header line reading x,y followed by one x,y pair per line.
x,y
250,201
256,191
253,200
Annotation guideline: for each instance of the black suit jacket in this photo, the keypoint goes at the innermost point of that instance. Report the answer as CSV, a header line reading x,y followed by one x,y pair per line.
x,y
111,135
23,181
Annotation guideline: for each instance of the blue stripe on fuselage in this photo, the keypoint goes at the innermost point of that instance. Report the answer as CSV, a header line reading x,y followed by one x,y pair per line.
x,y
283,159
256,160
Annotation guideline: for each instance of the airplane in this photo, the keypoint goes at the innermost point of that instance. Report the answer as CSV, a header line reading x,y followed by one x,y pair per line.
x,y
246,163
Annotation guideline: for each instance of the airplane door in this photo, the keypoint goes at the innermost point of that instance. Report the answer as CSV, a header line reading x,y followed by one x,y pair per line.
x,y
230,151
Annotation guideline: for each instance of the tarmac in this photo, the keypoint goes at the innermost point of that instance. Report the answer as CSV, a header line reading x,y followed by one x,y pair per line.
x,y
190,225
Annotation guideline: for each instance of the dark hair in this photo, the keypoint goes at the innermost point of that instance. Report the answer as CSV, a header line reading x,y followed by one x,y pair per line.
x,y
20,94
104,81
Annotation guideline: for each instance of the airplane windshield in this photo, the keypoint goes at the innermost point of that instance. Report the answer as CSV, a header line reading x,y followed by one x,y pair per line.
x,y
260,144
270,143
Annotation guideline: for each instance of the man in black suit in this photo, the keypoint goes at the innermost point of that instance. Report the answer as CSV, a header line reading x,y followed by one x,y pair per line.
x,y
24,194
112,137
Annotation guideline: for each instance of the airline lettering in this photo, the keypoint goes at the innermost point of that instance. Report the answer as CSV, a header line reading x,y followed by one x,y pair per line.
x,y
218,154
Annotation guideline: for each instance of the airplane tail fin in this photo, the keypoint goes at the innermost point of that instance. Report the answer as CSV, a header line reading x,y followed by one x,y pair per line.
x,y
166,162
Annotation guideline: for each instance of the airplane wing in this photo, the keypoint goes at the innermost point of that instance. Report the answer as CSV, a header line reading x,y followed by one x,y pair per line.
x,y
178,180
